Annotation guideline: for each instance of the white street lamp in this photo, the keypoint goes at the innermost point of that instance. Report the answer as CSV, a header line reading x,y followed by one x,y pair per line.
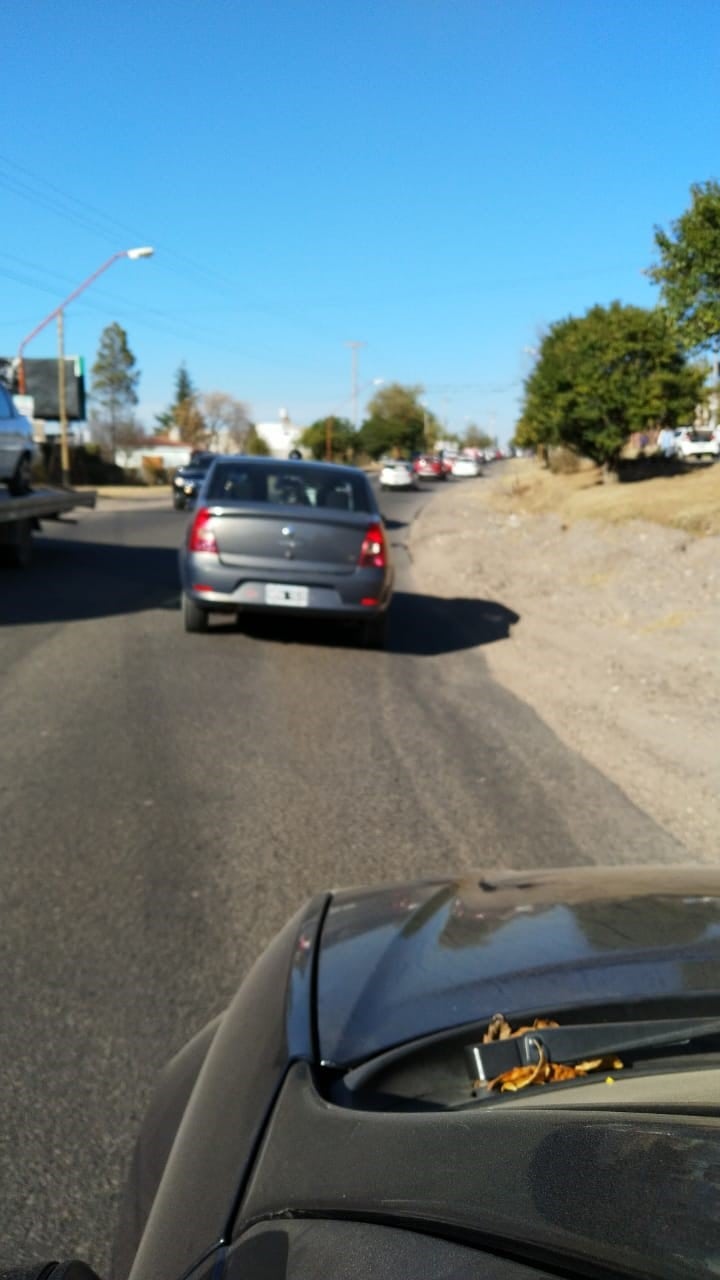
x,y
144,252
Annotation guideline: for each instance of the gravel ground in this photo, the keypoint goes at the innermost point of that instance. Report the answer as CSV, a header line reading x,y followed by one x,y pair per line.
x,y
616,647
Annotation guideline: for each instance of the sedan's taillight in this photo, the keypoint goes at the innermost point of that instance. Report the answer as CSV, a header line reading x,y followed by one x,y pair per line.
x,y
201,536
373,552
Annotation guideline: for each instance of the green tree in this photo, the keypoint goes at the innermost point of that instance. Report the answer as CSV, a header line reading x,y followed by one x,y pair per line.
x,y
184,414
114,380
342,436
601,376
184,385
190,422
397,420
688,272
476,438
256,444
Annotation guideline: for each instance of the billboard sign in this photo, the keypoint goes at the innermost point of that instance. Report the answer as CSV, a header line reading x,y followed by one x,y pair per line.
x,y
41,383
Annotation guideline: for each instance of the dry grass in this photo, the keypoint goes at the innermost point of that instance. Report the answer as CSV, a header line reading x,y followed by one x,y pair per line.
x,y
690,501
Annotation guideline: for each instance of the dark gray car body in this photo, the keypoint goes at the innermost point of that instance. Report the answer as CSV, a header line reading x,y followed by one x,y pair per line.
x,y
267,547
326,1120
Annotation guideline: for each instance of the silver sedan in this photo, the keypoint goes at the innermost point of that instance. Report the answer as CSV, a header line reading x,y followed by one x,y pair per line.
x,y
302,538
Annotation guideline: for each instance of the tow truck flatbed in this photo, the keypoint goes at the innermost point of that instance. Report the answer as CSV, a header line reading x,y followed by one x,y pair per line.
x,y
20,516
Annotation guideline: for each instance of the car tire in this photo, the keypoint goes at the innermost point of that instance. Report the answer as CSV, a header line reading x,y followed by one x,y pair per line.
x,y
179,503
373,633
195,618
21,481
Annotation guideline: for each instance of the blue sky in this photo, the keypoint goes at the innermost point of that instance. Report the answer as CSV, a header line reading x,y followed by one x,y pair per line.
x,y
437,178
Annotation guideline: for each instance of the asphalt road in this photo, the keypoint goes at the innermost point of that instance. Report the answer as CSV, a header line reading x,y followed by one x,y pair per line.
x,y
167,801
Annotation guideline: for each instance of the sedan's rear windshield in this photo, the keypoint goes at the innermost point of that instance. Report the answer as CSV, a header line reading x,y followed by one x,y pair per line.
x,y
289,484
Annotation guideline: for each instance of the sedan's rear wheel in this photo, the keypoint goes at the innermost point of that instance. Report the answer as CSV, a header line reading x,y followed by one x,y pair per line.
x,y
195,618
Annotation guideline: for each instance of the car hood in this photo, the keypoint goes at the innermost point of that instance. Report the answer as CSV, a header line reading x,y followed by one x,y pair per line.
x,y
407,960
191,473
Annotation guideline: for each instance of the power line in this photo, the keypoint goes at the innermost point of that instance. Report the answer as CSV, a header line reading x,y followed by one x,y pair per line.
x,y
75,210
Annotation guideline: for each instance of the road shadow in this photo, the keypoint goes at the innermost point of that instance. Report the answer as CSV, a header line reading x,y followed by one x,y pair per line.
x,y
429,625
70,580
421,625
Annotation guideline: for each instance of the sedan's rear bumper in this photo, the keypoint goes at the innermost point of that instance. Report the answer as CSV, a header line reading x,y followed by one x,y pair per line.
x,y
351,597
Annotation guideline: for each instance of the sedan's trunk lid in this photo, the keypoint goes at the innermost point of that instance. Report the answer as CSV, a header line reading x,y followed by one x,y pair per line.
x,y
288,538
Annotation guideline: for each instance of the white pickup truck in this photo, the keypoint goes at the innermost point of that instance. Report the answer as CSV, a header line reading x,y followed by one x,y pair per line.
x,y
697,442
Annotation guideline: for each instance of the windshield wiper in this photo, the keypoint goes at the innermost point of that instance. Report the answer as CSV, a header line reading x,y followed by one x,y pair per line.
x,y
581,1043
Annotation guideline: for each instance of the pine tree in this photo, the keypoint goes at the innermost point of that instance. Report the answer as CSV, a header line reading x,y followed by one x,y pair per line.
x,y
114,381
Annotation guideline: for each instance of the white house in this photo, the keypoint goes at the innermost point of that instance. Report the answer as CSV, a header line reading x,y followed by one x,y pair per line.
x,y
280,436
170,454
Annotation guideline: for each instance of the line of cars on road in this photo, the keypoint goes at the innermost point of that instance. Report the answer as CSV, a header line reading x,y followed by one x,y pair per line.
x,y
402,473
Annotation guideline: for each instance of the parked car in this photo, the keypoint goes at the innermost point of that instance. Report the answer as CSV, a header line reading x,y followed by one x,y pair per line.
x,y
466,467
694,442
304,538
430,467
188,479
361,1109
17,450
397,475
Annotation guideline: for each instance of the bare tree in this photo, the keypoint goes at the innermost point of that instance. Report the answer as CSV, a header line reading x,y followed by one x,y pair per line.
x,y
227,422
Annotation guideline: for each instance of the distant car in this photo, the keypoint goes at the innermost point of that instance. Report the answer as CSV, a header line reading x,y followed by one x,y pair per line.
x,y
302,538
693,442
397,475
17,450
187,479
466,467
430,467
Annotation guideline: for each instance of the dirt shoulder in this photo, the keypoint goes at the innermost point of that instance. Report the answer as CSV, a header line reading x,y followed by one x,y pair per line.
x,y
617,643
689,500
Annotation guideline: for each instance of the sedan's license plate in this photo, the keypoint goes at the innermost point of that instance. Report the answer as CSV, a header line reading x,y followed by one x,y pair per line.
x,y
277,593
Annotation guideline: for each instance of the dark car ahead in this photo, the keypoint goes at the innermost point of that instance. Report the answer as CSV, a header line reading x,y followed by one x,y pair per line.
x,y
188,479
281,536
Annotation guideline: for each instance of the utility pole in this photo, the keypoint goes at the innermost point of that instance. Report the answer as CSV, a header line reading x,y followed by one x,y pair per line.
x,y
355,347
64,450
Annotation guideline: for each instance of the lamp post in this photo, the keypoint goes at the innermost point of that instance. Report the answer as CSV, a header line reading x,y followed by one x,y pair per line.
x,y
58,314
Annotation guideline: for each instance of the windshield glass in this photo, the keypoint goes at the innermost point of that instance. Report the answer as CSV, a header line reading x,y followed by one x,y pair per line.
x,y
285,484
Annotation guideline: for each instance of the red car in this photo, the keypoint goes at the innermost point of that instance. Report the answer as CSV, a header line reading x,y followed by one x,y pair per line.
x,y
429,467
